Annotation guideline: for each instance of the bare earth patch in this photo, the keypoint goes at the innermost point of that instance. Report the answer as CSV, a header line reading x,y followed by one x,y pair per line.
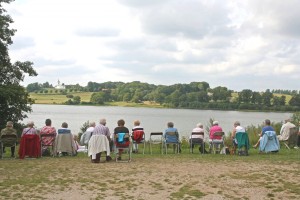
x,y
149,177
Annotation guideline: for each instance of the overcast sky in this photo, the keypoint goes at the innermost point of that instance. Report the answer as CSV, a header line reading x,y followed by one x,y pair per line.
x,y
250,44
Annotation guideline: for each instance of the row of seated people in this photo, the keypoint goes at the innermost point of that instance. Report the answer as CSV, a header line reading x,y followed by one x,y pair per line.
x,y
65,147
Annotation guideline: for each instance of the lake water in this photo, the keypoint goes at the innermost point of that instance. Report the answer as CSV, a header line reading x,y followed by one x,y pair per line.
x,y
152,119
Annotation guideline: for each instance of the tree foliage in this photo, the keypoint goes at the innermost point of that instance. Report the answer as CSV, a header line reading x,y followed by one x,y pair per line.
x,y
14,99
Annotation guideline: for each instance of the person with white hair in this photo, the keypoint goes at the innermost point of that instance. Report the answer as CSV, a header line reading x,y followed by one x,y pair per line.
x,y
285,130
30,129
198,138
215,128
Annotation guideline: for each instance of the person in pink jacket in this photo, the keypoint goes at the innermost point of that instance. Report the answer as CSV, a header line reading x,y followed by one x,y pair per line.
x,y
213,129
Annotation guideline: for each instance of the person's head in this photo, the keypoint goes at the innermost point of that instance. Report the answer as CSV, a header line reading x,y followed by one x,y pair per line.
x,y
170,124
121,122
136,123
48,122
236,123
267,122
9,124
103,121
199,125
215,123
92,124
30,124
64,125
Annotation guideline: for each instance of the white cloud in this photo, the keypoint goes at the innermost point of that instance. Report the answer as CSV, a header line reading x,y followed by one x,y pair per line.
x,y
251,42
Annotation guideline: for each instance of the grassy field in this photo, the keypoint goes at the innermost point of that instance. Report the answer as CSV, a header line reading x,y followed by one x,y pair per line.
x,y
172,176
58,98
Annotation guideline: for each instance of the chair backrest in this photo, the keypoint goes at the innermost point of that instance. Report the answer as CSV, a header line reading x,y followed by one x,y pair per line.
x,y
156,133
138,135
197,133
219,133
293,136
172,137
121,137
47,139
8,140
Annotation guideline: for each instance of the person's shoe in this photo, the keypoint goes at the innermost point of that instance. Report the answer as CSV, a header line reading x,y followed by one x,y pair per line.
x,y
108,158
119,158
12,156
296,147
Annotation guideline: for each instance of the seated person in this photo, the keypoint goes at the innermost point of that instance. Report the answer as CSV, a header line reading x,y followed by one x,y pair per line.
x,y
48,129
66,143
267,127
121,129
136,127
215,128
30,129
285,130
9,130
100,129
172,129
198,138
237,128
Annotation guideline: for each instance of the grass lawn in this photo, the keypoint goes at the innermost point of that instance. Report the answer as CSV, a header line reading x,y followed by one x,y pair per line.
x,y
58,98
172,176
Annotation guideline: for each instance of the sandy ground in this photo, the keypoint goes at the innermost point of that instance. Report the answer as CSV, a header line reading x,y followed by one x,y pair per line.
x,y
152,177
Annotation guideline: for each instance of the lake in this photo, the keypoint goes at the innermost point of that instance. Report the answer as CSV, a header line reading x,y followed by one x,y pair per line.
x,y
152,119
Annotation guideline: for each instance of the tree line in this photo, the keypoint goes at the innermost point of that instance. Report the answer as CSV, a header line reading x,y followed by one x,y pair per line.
x,y
195,95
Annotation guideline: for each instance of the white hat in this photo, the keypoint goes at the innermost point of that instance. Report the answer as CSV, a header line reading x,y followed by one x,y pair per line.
x,y
215,123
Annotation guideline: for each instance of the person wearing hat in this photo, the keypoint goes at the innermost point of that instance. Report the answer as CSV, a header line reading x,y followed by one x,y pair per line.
x,y
9,130
215,128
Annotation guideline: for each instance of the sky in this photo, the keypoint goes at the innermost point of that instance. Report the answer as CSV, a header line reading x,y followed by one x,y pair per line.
x,y
249,44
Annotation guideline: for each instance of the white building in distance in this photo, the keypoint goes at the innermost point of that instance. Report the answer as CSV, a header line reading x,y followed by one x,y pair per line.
x,y
60,86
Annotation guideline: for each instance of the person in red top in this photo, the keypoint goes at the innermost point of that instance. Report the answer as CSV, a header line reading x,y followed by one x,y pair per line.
x,y
48,129
213,129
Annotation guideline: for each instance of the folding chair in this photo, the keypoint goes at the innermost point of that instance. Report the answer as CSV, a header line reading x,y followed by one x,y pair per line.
x,y
30,146
8,141
243,143
196,141
158,140
216,145
138,137
122,142
269,142
65,144
172,138
47,140
292,140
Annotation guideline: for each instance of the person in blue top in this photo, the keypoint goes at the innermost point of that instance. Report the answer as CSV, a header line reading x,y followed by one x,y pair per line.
x,y
172,129
267,127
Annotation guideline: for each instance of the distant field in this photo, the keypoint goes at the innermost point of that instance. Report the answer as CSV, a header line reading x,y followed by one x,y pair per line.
x,y
58,98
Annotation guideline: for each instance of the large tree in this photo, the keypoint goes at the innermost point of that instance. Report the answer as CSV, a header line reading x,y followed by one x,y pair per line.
x,y
14,100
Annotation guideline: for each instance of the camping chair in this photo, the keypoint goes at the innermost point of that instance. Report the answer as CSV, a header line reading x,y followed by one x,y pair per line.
x,y
292,139
30,146
8,141
216,145
269,142
195,141
122,142
243,143
64,143
47,140
171,138
138,137
158,140
98,144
